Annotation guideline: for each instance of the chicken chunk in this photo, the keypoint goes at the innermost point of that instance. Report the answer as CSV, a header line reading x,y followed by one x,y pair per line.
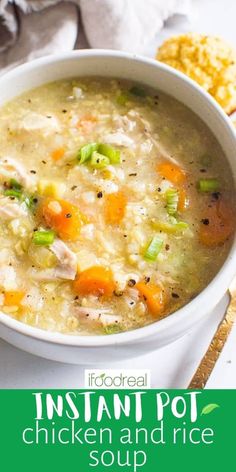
x,y
33,121
11,168
67,264
66,258
105,317
11,209
119,139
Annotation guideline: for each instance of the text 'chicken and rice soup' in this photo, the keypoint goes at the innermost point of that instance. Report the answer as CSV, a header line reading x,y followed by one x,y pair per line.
x,y
116,206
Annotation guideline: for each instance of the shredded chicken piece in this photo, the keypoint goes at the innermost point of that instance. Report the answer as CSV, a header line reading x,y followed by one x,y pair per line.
x,y
11,209
11,168
67,259
119,138
33,121
7,277
146,128
124,123
67,264
94,314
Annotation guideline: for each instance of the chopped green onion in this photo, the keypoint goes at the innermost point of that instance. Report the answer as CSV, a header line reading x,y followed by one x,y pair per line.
x,y
43,238
13,193
112,329
30,201
208,185
86,152
98,161
172,199
138,91
110,152
153,249
122,99
170,228
15,184
103,153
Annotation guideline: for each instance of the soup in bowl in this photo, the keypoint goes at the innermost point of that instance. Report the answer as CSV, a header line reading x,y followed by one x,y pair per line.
x,y
116,205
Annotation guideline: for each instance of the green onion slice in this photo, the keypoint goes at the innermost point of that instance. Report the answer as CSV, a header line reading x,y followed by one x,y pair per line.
x,y
138,91
153,249
110,152
86,152
208,185
13,193
170,228
43,238
112,329
172,199
98,161
15,184
30,201
122,99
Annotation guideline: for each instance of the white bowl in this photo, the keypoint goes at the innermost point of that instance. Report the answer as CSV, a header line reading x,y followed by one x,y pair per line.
x,y
100,349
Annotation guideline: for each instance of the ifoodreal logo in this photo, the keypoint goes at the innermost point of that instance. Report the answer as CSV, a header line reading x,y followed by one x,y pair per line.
x,y
117,378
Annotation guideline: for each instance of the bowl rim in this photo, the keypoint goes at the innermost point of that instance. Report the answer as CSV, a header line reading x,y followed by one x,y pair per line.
x,y
221,279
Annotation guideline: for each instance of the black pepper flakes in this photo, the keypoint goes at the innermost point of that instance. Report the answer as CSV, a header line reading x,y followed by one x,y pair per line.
x,y
175,295
131,282
32,171
147,280
133,174
99,195
215,195
68,215
205,221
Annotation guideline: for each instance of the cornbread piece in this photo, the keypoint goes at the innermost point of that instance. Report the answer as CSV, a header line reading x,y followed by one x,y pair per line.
x,y
207,59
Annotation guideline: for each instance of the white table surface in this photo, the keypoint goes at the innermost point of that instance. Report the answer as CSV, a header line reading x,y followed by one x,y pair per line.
x,y
174,365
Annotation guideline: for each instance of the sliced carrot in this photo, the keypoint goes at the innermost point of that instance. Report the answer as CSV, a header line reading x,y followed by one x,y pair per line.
x,y
171,172
57,154
86,123
218,223
62,216
183,201
115,204
97,280
13,298
153,296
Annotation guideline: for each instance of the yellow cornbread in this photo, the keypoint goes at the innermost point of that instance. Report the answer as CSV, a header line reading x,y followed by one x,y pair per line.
x,y
208,60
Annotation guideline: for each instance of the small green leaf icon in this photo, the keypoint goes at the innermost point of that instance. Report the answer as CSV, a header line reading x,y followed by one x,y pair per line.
x,y
209,408
102,376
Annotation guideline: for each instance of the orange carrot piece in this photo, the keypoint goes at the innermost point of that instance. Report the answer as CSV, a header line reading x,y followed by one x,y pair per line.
x,y
218,223
153,296
13,298
63,217
86,123
183,201
115,204
172,172
57,154
97,280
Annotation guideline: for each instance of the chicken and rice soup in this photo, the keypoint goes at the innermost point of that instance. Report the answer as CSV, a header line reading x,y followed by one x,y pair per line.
x,y
116,206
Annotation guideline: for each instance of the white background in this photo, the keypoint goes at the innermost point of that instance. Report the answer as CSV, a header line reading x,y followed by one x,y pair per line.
x,y
174,365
